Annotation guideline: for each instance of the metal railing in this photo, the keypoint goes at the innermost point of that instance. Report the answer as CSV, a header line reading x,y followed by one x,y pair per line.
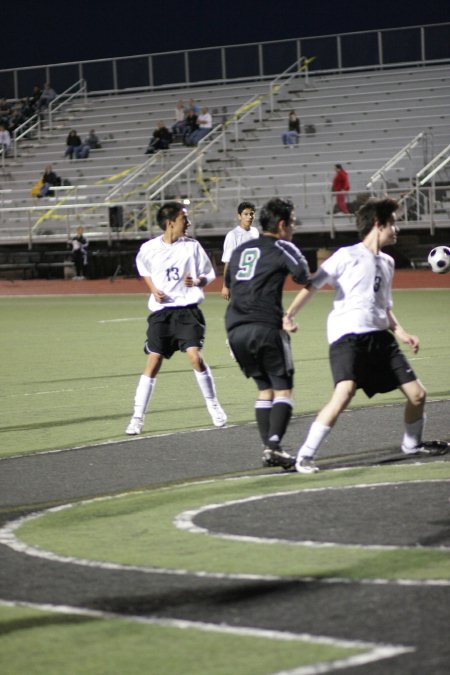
x,y
407,45
380,176
33,125
76,90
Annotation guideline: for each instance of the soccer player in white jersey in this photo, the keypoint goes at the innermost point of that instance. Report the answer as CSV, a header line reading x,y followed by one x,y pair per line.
x,y
175,269
244,231
362,331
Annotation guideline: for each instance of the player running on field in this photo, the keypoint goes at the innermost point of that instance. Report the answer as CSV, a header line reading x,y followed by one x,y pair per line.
x,y
362,331
255,277
175,269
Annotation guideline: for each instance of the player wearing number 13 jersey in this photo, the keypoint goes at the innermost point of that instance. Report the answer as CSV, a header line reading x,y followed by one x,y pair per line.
x,y
255,277
175,269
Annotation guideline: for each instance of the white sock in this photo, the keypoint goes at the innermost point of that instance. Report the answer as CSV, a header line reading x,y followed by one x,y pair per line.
x,y
206,383
143,395
316,434
412,436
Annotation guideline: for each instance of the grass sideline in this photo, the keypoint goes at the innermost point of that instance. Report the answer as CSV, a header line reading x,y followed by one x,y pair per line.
x,y
71,364
77,644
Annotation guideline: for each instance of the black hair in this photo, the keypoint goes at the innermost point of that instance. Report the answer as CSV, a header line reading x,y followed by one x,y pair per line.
x,y
273,211
374,210
245,205
168,211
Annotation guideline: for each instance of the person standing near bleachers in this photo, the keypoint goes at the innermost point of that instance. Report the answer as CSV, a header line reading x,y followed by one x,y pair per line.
x,y
80,253
339,187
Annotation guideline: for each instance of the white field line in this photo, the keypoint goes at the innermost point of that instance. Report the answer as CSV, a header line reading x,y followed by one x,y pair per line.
x,y
375,652
8,538
185,520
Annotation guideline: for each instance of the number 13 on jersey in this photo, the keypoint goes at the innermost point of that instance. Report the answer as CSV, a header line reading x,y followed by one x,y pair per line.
x,y
247,264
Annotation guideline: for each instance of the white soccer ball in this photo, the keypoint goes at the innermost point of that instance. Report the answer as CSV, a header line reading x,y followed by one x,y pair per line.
x,y
439,259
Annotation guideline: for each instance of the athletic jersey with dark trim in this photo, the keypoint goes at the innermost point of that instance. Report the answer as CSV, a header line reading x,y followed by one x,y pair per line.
x,y
255,277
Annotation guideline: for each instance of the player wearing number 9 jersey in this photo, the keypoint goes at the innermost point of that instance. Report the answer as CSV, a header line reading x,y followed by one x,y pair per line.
x,y
254,317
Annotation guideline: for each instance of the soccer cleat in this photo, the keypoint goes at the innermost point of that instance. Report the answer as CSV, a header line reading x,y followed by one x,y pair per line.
x,y
306,465
216,411
135,426
428,449
277,457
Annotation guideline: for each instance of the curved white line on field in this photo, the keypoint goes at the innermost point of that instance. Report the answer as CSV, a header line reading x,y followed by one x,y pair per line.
x,y
375,652
9,539
185,520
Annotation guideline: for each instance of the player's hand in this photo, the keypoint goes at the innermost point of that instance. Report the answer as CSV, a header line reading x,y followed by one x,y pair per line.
x,y
225,293
413,342
289,325
190,281
159,295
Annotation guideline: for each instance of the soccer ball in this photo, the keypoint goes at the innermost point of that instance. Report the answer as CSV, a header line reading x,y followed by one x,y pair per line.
x,y
439,259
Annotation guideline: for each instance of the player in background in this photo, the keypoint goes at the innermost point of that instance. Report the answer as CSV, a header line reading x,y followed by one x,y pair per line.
x,y
175,269
244,231
362,331
255,276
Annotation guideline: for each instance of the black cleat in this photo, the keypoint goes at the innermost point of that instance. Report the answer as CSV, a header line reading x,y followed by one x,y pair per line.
x,y
277,457
428,449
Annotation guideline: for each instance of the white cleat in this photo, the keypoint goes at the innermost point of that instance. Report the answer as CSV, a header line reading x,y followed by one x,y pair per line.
x,y
306,465
135,426
216,411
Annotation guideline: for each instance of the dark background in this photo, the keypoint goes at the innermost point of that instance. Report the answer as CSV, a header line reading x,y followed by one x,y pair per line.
x,y
51,31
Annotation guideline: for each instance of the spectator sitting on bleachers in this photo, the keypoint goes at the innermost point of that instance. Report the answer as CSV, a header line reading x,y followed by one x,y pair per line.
x,y
180,119
204,123
49,179
35,96
75,147
292,135
161,139
190,125
48,95
193,106
5,140
93,141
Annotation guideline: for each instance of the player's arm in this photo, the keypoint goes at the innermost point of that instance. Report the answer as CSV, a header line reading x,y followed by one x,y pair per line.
x,y
157,294
200,281
225,290
202,271
300,300
411,340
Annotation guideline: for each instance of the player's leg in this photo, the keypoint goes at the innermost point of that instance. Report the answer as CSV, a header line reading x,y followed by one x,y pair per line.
x,y
144,393
263,408
322,425
207,386
414,416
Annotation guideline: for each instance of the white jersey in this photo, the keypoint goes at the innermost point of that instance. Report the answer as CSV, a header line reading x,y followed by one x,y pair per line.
x,y
168,265
235,238
363,283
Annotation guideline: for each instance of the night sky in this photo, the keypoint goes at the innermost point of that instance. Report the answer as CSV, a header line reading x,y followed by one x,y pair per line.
x,y
36,33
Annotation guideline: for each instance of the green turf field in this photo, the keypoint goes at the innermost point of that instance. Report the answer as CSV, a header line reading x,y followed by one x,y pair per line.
x,y
70,366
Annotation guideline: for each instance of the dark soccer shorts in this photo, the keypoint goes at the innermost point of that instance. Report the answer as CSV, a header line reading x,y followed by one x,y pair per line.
x,y
175,329
264,353
373,360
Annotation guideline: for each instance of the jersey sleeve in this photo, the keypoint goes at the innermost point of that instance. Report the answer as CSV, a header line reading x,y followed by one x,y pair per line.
x,y
295,261
141,265
228,247
203,265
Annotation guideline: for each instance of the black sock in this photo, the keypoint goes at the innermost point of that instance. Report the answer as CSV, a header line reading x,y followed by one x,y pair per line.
x,y
279,419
